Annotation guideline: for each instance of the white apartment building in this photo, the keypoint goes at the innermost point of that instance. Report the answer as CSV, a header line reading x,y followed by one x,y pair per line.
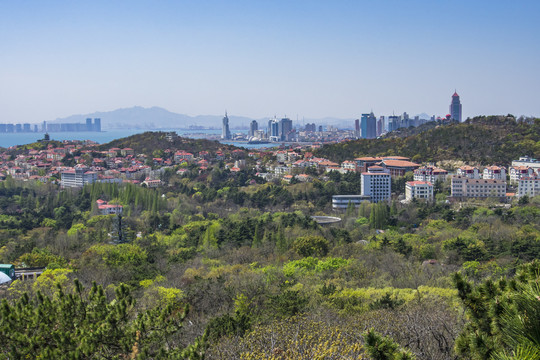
x,y
468,172
517,172
78,177
376,183
529,186
463,187
418,190
430,173
494,172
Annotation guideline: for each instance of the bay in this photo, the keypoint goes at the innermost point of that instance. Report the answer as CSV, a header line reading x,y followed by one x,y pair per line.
x,y
12,139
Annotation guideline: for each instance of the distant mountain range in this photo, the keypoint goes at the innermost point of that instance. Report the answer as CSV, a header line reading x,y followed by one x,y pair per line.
x,y
138,117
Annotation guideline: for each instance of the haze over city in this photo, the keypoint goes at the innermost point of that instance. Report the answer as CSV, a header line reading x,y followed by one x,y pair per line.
x,y
256,59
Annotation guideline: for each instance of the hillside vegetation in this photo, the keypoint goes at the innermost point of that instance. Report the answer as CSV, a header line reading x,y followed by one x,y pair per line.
x,y
149,141
484,140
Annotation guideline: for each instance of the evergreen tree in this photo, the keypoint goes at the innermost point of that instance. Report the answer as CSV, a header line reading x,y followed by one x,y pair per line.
x,y
84,325
257,236
504,316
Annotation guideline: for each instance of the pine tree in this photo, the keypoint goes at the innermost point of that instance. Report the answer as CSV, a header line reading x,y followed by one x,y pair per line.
x,y
84,325
384,348
504,316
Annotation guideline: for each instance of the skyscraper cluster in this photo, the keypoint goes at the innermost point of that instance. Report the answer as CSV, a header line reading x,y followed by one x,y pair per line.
x,y
280,130
368,127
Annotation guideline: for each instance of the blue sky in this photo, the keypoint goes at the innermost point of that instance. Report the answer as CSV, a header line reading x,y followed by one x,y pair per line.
x,y
308,59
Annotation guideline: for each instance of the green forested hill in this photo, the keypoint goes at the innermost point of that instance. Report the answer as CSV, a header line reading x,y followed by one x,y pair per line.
x,y
484,140
149,141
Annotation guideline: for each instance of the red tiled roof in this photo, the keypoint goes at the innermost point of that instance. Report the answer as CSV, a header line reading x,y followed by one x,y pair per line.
x,y
400,163
415,183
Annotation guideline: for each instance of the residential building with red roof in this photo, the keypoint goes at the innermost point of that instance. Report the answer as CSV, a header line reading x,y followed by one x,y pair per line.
x,y
494,172
422,190
430,173
108,209
468,172
517,172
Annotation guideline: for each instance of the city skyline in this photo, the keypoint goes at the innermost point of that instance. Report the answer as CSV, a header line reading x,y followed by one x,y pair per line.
x,y
311,59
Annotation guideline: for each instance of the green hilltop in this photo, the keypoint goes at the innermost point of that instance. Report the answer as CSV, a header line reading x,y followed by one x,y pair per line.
x,y
484,140
148,142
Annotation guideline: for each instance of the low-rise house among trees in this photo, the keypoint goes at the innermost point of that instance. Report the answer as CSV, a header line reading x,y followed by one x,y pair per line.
x,y
108,209
151,183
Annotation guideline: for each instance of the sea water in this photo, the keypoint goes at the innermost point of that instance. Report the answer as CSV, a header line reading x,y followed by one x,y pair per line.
x,y
12,139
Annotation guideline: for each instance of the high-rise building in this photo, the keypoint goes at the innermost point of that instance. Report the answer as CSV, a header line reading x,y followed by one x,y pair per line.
x,y
97,124
225,131
368,126
455,108
285,129
89,124
377,183
380,126
253,126
405,121
357,128
393,123
273,130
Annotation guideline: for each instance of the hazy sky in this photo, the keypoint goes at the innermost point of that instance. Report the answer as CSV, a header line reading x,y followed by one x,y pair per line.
x,y
259,58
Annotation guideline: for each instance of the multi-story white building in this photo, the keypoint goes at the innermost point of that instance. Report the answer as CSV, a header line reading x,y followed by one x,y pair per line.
x,y
376,183
430,173
78,177
464,187
494,172
529,186
517,172
419,190
468,172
